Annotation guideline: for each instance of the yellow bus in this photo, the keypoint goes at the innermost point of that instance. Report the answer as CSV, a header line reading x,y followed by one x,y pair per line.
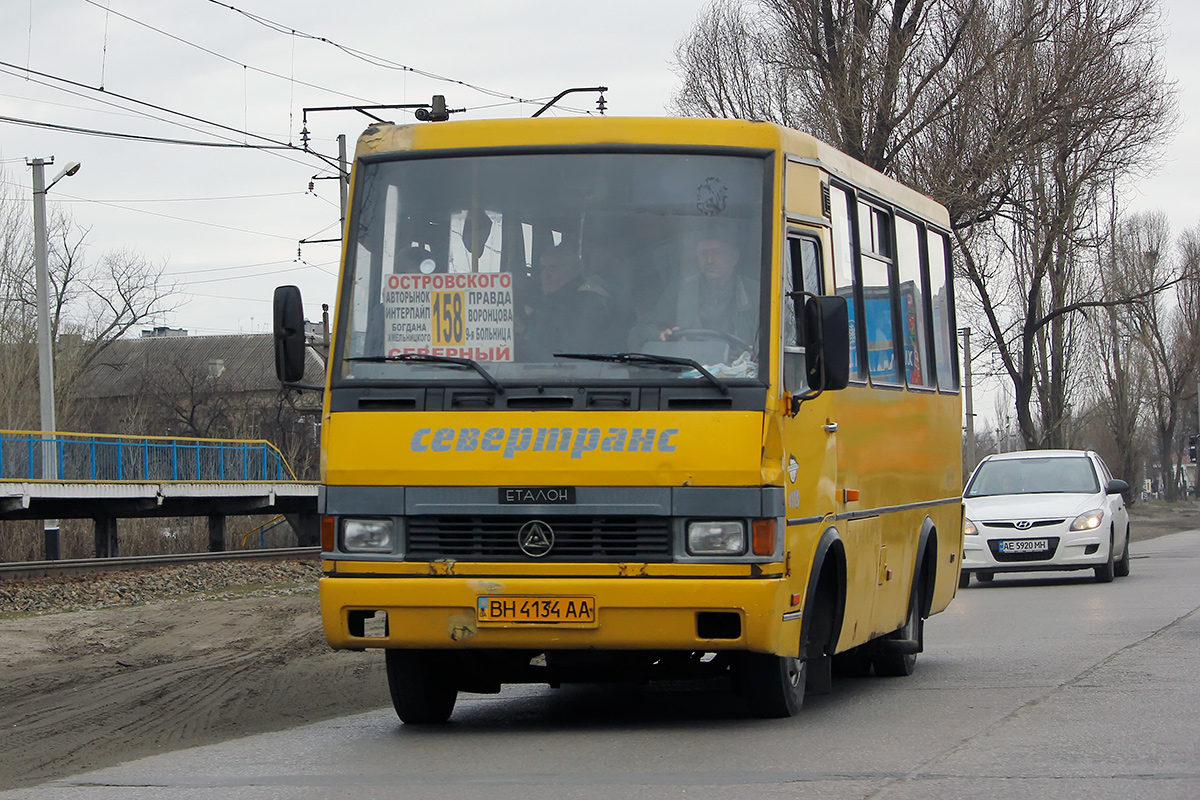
x,y
634,399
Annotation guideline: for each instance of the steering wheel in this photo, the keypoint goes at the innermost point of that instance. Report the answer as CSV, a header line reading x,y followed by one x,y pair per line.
x,y
707,333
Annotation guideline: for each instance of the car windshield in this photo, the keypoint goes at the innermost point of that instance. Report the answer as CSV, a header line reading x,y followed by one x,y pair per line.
x,y
1034,476
515,261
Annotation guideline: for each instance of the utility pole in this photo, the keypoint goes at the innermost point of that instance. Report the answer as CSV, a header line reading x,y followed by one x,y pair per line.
x,y
343,178
968,403
45,339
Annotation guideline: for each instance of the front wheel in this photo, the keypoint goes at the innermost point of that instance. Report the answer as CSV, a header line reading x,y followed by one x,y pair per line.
x,y
1106,571
422,685
1121,569
772,686
964,579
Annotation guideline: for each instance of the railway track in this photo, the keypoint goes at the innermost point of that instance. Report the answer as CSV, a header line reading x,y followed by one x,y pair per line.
x,y
24,570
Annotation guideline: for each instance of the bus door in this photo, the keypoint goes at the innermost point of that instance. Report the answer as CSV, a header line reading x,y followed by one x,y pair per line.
x,y
813,484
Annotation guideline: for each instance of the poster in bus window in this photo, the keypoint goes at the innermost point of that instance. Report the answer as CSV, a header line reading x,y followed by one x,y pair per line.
x,y
464,315
912,353
881,353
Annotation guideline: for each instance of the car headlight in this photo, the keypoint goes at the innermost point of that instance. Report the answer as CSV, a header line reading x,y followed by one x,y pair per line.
x,y
367,535
726,537
969,528
1088,520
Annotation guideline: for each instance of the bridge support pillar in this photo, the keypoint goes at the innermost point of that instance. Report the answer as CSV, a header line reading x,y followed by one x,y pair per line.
x,y
107,541
307,528
216,533
50,540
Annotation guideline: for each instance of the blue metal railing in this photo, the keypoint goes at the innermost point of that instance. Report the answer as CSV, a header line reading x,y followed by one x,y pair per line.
x,y
94,457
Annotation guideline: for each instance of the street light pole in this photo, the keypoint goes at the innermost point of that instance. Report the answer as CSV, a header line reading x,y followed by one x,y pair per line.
x,y
968,399
45,338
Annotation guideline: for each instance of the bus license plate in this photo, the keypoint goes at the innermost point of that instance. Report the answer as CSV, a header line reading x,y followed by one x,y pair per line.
x,y
1025,546
537,610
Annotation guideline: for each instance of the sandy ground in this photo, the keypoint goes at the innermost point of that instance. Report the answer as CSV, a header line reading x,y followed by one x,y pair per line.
x,y
87,689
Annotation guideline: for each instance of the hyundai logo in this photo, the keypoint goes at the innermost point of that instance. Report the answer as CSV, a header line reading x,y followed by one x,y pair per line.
x,y
1023,525
535,538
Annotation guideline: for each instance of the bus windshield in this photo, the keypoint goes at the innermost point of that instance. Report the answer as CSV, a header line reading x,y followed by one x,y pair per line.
x,y
525,262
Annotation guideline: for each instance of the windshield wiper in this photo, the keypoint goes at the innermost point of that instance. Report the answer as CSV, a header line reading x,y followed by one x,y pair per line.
x,y
649,358
426,358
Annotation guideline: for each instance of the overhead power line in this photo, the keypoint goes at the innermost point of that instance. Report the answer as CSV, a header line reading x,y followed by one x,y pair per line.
x,y
224,57
368,58
30,123
278,145
179,219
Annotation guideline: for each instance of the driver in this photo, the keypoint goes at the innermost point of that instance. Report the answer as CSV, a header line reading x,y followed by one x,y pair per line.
x,y
714,297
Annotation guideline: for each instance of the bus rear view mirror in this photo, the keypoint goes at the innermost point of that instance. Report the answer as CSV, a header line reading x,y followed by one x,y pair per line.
x,y
827,342
289,334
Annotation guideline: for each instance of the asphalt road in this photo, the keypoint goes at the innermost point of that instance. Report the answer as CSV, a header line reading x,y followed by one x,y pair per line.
x,y
1045,687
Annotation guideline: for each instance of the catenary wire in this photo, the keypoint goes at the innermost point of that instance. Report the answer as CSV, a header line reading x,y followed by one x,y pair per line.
x,y
278,144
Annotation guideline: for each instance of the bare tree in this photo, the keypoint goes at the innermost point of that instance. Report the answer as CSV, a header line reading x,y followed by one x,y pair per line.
x,y
91,305
1122,382
1163,337
1115,111
1015,114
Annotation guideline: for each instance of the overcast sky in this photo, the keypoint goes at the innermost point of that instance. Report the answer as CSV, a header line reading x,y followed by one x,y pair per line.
x,y
226,222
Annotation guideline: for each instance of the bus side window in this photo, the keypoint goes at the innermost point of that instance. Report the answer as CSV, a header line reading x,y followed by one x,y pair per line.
x,y
913,305
942,300
843,272
802,275
875,244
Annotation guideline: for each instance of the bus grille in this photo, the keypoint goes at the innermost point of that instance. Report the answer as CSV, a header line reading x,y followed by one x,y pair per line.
x,y
494,538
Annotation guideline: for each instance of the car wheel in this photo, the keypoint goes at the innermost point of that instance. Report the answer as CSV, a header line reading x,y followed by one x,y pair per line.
x,y
1106,571
964,579
1121,569
984,577
422,685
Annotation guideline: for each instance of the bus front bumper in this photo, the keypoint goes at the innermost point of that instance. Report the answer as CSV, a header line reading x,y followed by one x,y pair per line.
x,y
694,614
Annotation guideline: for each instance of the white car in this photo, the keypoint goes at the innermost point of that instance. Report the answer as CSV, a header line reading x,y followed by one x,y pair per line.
x,y
1044,510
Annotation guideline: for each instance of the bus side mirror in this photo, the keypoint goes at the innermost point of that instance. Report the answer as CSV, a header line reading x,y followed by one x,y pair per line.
x,y
289,334
826,342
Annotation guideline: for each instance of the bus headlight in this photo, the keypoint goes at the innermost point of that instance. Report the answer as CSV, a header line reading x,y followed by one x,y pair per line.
x,y
367,535
725,537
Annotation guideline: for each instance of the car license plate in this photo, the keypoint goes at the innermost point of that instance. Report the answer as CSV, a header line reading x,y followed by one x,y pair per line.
x,y
1025,546
536,610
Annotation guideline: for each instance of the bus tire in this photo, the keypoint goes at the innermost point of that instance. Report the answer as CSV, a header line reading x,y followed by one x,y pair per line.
x,y
422,685
771,686
896,653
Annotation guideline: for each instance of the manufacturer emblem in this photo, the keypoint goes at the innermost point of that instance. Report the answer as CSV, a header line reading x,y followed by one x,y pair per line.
x,y
535,538
793,467
1023,525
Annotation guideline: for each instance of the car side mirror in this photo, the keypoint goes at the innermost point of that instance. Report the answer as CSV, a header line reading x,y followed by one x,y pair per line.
x,y
289,334
1116,486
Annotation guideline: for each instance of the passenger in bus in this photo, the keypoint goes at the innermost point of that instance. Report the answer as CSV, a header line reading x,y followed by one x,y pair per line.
x,y
416,260
573,313
713,297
